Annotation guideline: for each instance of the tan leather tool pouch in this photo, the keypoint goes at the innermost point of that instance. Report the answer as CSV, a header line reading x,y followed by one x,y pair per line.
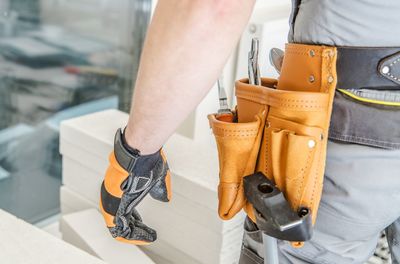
x,y
281,130
298,106
238,145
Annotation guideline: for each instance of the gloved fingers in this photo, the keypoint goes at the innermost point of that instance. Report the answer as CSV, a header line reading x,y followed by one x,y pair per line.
x,y
162,189
132,230
129,178
117,207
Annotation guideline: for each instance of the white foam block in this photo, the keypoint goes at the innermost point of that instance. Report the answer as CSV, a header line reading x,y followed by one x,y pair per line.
x,y
22,243
87,228
86,183
72,202
165,253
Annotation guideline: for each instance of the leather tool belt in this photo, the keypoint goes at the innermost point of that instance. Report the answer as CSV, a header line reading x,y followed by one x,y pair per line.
x,y
281,130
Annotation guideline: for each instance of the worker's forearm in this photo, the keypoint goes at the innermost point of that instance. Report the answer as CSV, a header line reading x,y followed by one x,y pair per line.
x,y
187,45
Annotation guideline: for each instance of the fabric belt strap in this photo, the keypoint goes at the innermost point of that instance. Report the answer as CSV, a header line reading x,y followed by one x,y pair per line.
x,y
366,67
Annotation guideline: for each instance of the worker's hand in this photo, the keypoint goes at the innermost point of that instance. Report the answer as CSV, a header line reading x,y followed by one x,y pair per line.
x,y
129,177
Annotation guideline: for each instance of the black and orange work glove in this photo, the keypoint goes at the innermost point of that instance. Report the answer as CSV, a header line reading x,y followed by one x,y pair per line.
x,y
129,178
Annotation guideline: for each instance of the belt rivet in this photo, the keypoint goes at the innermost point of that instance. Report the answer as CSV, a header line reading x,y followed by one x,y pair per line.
x,y
385,70
330,79
311,78
312,53
311,144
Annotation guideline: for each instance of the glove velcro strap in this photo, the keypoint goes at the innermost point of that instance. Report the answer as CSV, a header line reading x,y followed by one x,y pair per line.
x,y
125,159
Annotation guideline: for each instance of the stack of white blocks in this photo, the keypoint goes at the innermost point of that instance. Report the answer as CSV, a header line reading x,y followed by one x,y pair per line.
x,y
22,243
189,230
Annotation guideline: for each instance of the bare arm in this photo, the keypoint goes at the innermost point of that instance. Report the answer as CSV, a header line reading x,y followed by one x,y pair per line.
x,y
187,45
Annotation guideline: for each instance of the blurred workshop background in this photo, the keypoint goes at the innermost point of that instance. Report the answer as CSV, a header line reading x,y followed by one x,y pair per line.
x,y
58,59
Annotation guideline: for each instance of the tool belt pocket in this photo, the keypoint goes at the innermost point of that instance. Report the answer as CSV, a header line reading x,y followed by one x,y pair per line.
x,y
238,145
293,152
293,147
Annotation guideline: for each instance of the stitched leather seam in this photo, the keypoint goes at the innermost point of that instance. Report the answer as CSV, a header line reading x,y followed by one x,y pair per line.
x,y
271,97
273,102
229,133
267,144
303,171
278,102
276,93
240,133
243,137
224,133
316,176
233,137
276,97
232,132
236,130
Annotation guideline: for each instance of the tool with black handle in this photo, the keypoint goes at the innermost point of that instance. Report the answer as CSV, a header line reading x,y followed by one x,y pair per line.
x,y
273,213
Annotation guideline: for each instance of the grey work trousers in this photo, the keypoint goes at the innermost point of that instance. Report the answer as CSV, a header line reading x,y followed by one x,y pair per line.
x,y
361,197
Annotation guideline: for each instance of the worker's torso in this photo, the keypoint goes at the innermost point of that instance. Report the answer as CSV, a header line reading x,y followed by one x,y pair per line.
x,y
346,22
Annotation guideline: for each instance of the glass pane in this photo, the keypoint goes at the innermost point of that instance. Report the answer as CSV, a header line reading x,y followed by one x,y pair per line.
x,y
58,59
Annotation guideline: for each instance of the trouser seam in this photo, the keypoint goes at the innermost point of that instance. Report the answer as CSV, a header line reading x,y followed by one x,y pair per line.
x,y
312,258
367,140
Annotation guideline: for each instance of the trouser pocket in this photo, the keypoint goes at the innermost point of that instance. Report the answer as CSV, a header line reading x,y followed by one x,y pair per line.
x,y
247,256
252,247
366,117
238,145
